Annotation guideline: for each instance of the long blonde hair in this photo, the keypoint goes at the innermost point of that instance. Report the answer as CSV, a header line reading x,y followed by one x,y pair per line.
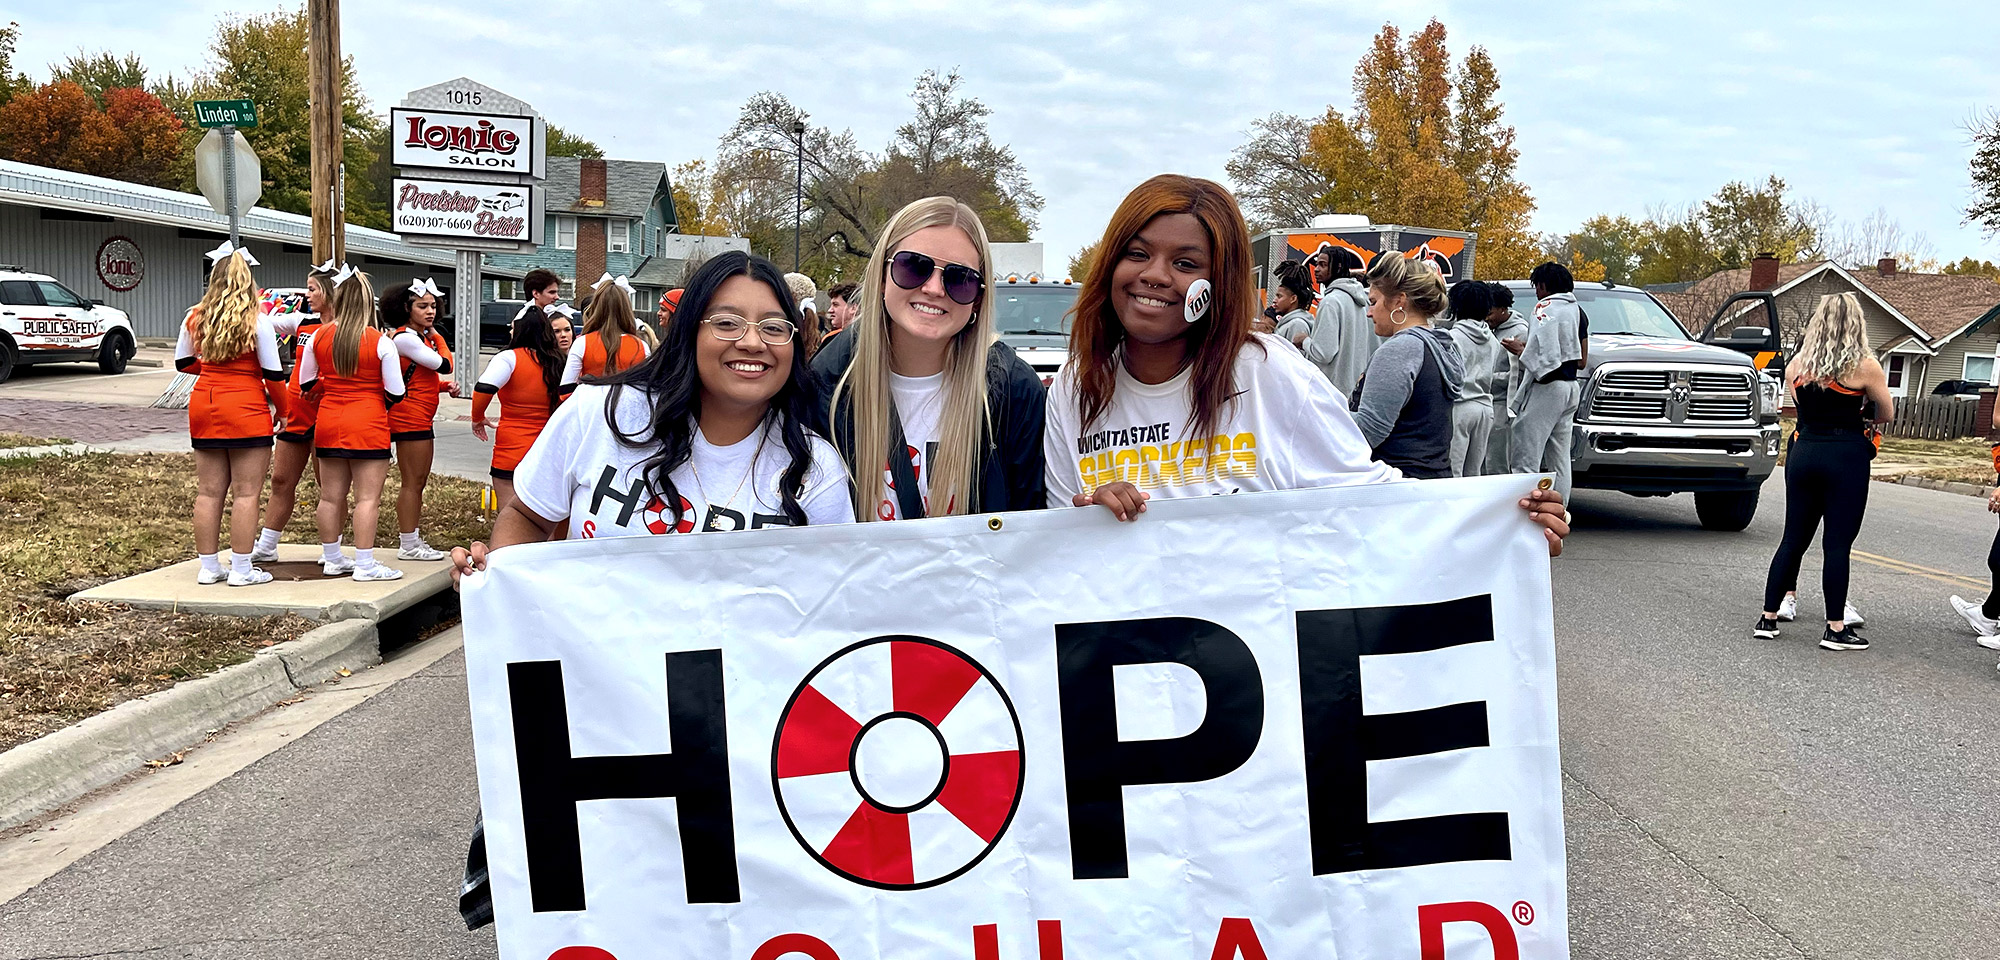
x,y
353,307
609,316
966,420
1835,341
227,314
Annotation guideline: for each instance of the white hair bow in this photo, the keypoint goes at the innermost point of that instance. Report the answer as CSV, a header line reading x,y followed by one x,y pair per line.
x,y
623,284
808,306
228,248
426,285
563,310
344,274
329,266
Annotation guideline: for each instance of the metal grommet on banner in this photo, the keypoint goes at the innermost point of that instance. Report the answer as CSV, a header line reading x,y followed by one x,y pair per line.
x,y
993,523
1545,484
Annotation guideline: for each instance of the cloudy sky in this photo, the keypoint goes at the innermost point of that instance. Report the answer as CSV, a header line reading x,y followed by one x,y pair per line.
x,y
1619,106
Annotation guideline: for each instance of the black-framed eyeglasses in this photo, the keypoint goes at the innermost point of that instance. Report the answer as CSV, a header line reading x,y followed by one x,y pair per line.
x,y
910,270
771,330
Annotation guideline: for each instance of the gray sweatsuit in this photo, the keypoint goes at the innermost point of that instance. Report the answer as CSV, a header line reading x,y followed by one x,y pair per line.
x,y
1472,412
1544,413
1506,378
1343,339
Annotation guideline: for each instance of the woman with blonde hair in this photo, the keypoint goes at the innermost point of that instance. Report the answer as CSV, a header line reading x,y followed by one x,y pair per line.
x,y
932,414
1838,387
233,351
610,340
357,375
1403,402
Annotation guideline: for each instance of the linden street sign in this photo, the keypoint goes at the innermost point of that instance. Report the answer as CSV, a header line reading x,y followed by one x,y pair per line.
x,y
225,113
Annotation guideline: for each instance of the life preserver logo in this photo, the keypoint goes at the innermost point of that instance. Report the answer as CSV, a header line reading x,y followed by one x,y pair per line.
x,y
120,263
897,763
660,520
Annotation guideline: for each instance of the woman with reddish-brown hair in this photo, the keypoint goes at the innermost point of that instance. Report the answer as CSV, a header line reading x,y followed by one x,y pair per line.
x,y
1167,392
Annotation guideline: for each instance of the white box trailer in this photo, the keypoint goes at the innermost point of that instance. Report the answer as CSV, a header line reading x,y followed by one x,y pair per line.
x,y
1451,250
1017,259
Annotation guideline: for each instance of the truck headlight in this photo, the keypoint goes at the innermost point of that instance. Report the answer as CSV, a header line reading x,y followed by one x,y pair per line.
x,y
1770,396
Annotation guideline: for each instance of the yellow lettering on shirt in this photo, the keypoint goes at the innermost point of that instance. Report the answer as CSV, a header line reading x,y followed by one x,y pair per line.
x,y
1154,466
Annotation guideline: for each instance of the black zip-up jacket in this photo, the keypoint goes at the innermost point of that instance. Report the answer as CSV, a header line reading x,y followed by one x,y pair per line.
x,y
1010,468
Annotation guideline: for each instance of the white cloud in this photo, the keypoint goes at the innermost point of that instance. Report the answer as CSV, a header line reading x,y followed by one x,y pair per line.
x,y
1618,106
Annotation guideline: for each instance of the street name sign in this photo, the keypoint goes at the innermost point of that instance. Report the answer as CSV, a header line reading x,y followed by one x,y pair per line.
x,y
225,113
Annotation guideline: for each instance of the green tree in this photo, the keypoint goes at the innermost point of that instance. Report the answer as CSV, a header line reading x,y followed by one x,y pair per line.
x,y
562,143
1616,244
1968,267
97,73
1984,131
1424,144
263,58
1083,261
1745,220
12,81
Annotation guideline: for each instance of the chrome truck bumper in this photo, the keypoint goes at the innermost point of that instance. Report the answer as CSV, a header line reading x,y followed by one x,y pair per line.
x,y
1663,460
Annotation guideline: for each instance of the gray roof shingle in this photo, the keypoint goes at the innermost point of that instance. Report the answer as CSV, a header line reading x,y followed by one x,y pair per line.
x,y
629,187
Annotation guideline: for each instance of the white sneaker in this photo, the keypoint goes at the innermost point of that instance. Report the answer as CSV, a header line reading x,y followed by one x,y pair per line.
x,y
336,568
422,551
1988,629
376,571
261,555
211,577
1788,609
251,579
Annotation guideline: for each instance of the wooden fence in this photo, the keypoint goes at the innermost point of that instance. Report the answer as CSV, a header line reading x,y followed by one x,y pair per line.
x,y
1935,418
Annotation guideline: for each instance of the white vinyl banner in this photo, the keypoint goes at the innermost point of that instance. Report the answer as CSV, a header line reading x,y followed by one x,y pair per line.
x,y
1272,726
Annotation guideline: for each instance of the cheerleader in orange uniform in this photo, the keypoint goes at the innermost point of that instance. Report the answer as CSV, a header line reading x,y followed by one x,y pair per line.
x,y
296,436
410,309
526,379
610,340
231,349
354,371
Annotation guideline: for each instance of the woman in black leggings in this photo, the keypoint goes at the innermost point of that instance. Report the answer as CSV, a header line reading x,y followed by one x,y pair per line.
x,y
1834,380
1985,617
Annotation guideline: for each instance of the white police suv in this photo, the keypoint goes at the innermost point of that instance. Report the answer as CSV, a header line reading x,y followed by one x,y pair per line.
x,y
42,321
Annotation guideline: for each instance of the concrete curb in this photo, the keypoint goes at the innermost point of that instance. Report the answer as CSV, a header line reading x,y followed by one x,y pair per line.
x,y
1945,486
51,450
48,772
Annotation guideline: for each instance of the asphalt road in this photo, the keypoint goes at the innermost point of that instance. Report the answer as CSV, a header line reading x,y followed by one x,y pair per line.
x,y
1725,797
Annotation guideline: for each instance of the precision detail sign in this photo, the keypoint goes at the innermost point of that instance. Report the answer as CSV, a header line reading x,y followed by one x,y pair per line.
x,y
225,113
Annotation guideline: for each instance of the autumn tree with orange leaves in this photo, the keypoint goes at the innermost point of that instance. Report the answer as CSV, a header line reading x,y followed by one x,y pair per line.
x,y
131,136
1423,146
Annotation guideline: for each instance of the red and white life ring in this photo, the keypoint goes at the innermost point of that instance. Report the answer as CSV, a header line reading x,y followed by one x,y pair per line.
x,y
898,762
660,520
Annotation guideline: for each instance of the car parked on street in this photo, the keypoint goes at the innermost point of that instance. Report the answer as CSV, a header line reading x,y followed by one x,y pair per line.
x,y
43,321
1664,413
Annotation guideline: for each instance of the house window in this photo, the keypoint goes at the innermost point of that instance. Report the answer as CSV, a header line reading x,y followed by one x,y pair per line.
x,y
1978,369
620,237
565,233
656,239
639,301
566,291
1895,370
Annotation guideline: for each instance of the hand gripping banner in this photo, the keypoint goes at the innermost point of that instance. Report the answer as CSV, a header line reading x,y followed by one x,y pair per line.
x,y
1309,724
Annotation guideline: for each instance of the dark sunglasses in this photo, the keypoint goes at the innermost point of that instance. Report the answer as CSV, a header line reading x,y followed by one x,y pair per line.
x,y
910,270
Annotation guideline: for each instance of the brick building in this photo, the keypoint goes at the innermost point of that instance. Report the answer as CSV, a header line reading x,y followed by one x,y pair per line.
x,y
604,216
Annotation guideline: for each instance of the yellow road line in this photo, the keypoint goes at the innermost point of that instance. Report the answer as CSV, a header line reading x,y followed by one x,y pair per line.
x,y
1904,566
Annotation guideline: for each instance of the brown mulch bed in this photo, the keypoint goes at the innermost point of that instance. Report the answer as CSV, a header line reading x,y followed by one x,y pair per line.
x,y
74,522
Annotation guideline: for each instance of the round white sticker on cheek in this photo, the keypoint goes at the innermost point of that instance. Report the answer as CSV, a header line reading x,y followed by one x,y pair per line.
x,y
1195,303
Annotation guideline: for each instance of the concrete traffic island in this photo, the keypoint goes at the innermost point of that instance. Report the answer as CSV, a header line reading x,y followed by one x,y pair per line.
x,y
298,587
48,772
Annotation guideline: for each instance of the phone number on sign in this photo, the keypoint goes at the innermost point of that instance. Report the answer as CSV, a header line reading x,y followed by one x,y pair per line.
x,y
483,225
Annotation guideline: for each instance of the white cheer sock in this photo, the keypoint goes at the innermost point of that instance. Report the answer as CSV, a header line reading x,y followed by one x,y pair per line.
x,y
239,563
209,563
330,552
364,557
412,538
267,540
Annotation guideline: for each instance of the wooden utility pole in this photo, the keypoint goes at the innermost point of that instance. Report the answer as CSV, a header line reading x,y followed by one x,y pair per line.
x,y
329,218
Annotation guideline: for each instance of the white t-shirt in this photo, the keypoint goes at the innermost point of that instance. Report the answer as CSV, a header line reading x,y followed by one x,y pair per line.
x,y
919,404
1287,429
579,471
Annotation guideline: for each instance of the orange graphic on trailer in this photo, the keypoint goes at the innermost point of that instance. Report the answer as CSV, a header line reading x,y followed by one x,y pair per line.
x,y
1304,245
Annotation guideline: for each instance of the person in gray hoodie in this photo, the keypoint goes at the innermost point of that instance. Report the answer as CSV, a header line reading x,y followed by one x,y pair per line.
x,y
1544,408
1472,412
1508,325
1403,403
1342,340
1292,301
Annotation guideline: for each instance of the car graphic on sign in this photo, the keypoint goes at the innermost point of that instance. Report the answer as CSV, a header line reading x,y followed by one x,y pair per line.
x,y
504,201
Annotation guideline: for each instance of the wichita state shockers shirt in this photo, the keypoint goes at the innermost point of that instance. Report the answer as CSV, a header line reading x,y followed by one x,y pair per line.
x,y
579,471
1287,429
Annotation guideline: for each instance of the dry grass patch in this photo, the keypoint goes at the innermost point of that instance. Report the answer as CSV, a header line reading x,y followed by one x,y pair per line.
x,y
75,522
10,440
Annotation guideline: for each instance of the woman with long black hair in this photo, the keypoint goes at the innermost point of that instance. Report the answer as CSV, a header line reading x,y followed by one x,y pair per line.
x,y
712,433
1834,378
1162,338
409,311
527,380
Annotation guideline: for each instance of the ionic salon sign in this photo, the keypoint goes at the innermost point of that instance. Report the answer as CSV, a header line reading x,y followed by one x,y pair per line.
x,y
487,211
462,141
121,265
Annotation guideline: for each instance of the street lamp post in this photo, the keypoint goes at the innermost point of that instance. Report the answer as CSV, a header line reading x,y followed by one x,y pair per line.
x,y
798,189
